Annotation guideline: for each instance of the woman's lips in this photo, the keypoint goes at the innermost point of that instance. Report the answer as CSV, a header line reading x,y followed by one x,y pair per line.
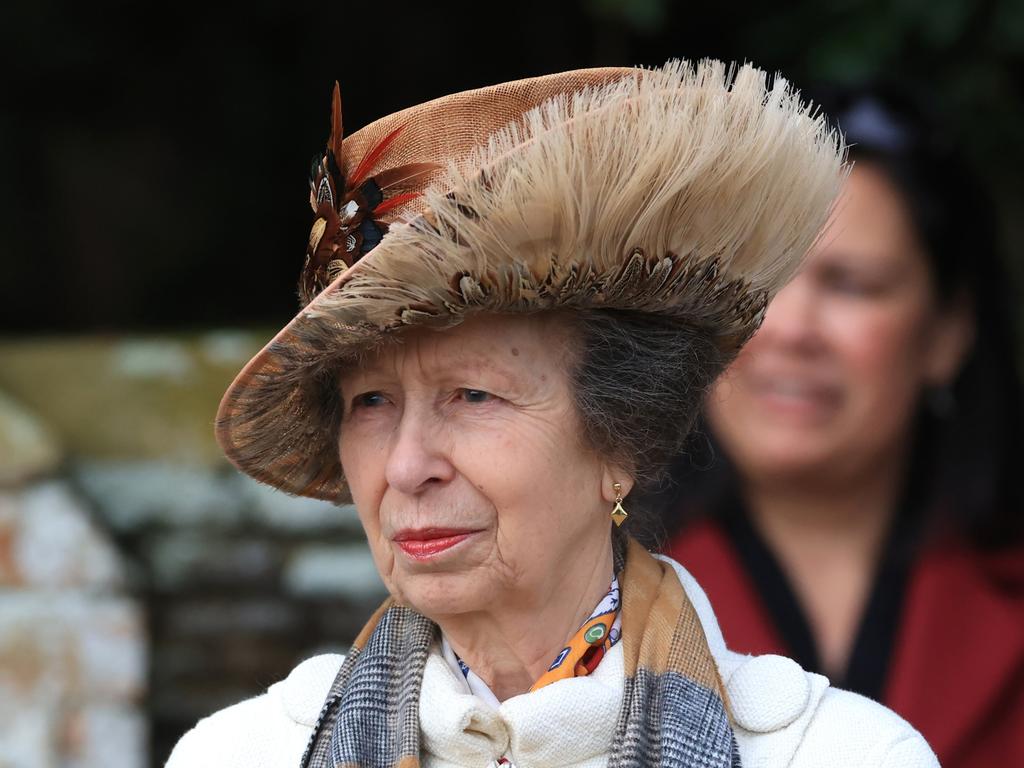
x,y
795,397
424,543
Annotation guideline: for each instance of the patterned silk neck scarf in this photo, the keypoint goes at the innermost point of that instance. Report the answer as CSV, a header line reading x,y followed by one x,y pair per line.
x,y
578,658
673,705
590,643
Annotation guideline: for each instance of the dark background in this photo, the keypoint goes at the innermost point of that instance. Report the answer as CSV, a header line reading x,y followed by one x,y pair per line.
x,y
153,157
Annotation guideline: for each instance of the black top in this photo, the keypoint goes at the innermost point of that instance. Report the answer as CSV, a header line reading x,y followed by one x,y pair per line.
x,y
875,639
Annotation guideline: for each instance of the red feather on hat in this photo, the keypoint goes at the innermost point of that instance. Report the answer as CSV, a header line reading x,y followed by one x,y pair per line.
x,y
348,210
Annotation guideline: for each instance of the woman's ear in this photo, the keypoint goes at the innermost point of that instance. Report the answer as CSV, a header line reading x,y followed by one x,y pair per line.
x,y
612,475
951,338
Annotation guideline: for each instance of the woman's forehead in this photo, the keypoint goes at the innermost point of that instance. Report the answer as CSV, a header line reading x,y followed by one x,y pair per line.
x,y
872,209
511,345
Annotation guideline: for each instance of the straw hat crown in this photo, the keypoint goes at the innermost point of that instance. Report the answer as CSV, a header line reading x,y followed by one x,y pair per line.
x,y
688,191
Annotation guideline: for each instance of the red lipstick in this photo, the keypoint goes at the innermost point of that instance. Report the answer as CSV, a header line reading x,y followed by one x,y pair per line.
x,y
424,543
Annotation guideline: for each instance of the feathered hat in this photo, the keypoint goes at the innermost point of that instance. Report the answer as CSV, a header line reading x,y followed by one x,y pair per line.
x,y
688,191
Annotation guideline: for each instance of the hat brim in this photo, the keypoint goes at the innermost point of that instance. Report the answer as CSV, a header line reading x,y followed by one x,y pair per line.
x,y
283,408
722,185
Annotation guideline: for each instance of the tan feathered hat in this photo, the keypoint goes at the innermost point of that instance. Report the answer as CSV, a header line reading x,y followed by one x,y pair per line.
x,y
689,191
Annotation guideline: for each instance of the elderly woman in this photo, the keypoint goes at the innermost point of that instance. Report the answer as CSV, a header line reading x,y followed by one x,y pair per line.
x,y
514,300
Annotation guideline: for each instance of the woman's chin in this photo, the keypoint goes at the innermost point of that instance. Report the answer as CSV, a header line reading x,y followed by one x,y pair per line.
x,y
443,594
803,457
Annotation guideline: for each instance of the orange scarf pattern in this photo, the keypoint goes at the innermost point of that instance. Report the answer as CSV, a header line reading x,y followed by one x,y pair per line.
x,y
590,643
578,658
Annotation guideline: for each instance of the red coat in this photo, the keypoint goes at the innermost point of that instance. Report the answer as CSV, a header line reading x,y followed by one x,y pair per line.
x,y
957,672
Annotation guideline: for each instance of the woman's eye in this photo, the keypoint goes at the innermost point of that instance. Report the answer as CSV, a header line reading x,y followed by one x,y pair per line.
x,y
368,400
854,285
476,395
845,286
851,282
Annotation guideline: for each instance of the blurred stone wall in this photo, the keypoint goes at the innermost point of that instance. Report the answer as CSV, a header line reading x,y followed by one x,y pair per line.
x,y
144,582
72,635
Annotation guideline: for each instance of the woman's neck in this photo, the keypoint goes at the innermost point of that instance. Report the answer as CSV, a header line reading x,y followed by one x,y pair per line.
x,y
828,535
510,645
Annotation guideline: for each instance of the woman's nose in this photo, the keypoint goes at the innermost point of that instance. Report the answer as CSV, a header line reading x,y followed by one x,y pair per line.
x,y
418,456
791,320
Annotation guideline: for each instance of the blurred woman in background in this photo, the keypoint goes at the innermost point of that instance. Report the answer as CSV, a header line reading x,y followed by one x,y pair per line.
x,y
856,503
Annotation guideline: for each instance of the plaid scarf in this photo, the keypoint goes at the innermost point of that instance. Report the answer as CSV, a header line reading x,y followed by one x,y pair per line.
x,y
673,705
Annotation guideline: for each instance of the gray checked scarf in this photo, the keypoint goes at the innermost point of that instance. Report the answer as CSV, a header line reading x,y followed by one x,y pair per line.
x,y
673,712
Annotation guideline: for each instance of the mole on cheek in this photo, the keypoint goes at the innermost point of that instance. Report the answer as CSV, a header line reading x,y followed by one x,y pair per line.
x,y
515,352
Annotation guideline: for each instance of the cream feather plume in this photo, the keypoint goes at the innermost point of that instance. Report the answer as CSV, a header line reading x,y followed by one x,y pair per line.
x,y
691,163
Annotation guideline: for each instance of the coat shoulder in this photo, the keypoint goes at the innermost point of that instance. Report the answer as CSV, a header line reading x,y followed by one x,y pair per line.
x,y
787,716
851,730
267,730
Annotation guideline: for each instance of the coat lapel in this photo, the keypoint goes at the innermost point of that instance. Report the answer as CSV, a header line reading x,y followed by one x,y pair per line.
x,y
704,551
961,644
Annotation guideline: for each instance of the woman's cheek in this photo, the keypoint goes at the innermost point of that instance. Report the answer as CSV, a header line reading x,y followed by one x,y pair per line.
x,y
504,463
364,473
879,350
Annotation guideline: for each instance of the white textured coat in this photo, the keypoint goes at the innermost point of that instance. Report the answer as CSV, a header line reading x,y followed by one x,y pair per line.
x,y
783,717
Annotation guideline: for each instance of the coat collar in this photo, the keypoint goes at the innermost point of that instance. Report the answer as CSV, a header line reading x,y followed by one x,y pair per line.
x,y
772,701
567,723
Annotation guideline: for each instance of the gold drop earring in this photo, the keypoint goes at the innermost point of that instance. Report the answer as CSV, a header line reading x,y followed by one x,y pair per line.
x,y
619,514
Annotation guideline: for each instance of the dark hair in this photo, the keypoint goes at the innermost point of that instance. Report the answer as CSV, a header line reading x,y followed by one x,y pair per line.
x,y
639,382
967,439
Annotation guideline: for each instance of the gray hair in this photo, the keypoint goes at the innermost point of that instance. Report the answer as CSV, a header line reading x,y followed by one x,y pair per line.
x,y
639,383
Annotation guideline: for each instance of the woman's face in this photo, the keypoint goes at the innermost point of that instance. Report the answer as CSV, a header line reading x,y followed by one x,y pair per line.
x,y
827,387
462,451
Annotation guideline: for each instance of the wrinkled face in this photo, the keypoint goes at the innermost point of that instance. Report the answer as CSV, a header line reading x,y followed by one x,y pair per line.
x,y
828,385
462,451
